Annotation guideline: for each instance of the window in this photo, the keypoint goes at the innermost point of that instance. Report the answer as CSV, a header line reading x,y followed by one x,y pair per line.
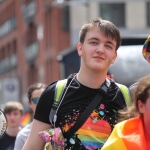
x,y
114,12
8,57
49,72
48,29
7,26
29,11
31,35
148,14
65,18
32,74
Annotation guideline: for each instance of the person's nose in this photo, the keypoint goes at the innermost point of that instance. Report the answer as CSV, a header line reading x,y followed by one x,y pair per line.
x,y
12,116
100,48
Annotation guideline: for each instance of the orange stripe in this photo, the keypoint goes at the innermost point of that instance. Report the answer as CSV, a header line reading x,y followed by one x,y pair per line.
x,y
92,133
99,126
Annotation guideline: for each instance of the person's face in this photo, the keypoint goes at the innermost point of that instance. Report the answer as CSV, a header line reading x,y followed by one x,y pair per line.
x,y
34,98
14,118
148,56
144,109
98,51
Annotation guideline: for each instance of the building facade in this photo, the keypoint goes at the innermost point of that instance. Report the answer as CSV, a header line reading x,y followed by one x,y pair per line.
x,y
32,34
132,17
38,38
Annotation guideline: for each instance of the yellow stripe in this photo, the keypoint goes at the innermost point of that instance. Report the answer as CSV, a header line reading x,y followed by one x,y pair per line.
x,y
125,93
114,142
92,133
59,89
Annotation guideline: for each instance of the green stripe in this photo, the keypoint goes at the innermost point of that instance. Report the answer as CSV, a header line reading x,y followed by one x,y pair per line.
x,y
125,93
59,90
91,138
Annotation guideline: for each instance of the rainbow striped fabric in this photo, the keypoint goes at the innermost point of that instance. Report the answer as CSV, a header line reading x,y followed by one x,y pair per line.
x,y
26,119
127,135
145,47
93,135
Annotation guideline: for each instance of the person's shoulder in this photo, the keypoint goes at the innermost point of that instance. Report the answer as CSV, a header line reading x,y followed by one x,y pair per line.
x,y
51,86
119,91
27,128
112,90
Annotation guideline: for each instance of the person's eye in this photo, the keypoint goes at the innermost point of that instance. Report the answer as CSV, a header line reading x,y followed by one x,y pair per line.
x,y
108,46
94,43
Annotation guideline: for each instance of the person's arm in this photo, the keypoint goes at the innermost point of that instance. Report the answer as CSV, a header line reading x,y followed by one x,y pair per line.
x,y
34,142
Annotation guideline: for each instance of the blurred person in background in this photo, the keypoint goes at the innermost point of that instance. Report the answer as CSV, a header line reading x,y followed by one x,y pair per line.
x,y
134,133
13,111
34,93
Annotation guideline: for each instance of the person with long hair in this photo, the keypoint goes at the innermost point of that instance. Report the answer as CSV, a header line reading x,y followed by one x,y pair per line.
x,y
134,133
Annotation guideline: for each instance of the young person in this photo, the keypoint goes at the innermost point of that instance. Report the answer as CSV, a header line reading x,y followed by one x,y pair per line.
x,y
134,134
99,41
34,93
13,111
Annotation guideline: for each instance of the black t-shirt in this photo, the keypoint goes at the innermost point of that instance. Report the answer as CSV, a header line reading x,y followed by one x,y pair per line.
x,y
7,142
95,131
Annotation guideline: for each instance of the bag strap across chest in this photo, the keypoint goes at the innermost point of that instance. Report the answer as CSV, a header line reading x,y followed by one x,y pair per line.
x,y
59,90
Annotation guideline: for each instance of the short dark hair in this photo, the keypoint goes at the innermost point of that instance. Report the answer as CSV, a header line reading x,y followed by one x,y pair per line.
x,y
107,27
34,87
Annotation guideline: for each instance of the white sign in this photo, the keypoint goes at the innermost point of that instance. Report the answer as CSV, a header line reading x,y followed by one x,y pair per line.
x,y
3,124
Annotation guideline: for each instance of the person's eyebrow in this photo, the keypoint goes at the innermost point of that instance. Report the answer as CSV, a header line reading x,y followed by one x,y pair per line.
x,y
93,38
109,42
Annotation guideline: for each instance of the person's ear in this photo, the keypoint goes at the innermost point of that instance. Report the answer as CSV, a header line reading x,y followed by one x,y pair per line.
x,y
114,58
79,49
29,104
140,107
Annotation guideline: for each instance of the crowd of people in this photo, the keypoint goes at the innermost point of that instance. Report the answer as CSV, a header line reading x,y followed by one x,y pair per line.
x,y
88,110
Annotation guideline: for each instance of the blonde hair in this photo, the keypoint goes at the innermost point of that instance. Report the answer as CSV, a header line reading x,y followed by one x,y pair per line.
x,y
140,93
13,105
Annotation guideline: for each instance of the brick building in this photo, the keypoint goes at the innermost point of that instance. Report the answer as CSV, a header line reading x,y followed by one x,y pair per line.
x,y
32,34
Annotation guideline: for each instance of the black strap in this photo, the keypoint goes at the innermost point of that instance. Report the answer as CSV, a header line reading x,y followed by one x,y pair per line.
x,y
99,96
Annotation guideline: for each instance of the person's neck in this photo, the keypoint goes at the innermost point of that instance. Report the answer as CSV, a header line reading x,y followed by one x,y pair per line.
x,y
147,128
91,79
13,131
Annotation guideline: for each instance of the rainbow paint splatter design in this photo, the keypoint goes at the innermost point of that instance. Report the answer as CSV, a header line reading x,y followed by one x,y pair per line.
x,y
145,47
84,56
95,131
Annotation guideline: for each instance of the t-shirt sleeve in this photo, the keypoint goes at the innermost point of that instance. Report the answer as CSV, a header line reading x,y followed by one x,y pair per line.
x,y
19,142
45,103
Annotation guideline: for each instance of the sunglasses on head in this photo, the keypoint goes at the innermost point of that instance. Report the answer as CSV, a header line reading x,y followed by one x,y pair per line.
x,y
35,100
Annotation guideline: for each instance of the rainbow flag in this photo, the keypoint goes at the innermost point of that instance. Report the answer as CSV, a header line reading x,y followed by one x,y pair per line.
x,y
26,119
127,135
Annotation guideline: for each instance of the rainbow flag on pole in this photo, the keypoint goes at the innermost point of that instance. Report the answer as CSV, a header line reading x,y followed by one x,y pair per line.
x,y
127,135
26,119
